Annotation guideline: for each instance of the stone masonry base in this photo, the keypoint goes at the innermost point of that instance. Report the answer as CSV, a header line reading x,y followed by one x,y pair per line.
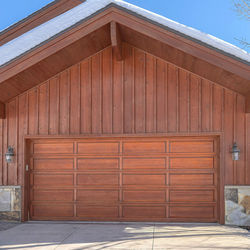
x,y
237,205
10,203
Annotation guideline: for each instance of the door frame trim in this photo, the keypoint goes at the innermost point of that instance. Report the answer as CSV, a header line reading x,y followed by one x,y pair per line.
x,y
219,136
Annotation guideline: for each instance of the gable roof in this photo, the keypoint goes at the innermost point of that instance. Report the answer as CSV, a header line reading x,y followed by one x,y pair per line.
x,y
50,48
63,22
51,10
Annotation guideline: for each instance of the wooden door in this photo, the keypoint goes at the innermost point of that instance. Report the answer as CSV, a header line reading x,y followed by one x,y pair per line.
x,y
124,179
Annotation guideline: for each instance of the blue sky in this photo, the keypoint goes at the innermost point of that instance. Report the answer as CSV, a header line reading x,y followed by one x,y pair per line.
x,y
215,17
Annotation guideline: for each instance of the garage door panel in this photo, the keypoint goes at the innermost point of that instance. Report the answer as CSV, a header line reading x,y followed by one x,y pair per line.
x,y
191,179
144,163
95,211
53,195
126,179
98,148
53,210
97,179
144,195
191,147
97,196
144,147
53,164
191,163
53,148
140,179
204,212
144,211
98,164
53,180
191,195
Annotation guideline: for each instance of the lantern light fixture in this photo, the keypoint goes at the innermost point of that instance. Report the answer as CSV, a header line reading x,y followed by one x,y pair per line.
x,y
235,152
9,155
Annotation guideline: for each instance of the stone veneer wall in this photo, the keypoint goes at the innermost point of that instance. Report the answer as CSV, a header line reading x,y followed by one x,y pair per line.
x,y
237,205
10,203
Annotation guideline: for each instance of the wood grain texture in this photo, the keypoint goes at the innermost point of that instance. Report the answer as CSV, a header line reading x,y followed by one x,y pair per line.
x,y
70,48
136,96
129,185
2,110
116,40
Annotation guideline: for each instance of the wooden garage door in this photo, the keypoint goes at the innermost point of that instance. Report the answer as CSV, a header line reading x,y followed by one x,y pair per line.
x,y
124,179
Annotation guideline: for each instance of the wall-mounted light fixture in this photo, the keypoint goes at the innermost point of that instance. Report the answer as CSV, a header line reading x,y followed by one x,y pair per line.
x,y
9,155
235,152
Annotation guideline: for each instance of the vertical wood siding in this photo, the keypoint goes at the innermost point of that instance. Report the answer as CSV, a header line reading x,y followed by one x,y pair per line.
x,y
142,94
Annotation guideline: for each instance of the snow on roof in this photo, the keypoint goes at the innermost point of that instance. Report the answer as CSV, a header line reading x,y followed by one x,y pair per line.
x,y
49,29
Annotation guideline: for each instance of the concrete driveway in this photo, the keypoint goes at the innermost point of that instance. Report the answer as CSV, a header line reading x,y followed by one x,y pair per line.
x,y
47,236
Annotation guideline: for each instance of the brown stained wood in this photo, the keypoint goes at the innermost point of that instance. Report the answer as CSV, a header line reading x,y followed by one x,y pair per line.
x,y
116,40
217,108
144,212
150,93
75,99
54,109
22,130
144,163
64,88
172,97
53,164
139,189
98,148
123,116
35,67
2,110
190,211
86,97
205,105
96,91
184,101
161,86
229,135
5,146
133,95
107,91
240,139
149,30
12,140
109,212
55,148
1,151
247,179
248,102
98,196
139,95
43,109
33,112
98,164
144,196
193,62
118,96
128,90
191,163
194,103
192,195
55,63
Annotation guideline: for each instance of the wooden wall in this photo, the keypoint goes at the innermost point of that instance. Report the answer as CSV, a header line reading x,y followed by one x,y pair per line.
x,y
140,95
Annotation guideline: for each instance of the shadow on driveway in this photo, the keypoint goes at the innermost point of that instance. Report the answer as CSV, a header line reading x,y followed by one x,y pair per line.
x,y
44,235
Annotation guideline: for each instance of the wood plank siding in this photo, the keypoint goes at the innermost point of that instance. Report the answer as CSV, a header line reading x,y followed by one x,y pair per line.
x,y
140,95
125,179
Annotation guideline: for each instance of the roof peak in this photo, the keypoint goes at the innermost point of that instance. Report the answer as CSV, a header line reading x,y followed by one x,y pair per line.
x,y
59,24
